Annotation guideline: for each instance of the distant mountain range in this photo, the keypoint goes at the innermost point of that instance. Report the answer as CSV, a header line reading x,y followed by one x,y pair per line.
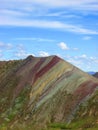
x,y
91,72
47,93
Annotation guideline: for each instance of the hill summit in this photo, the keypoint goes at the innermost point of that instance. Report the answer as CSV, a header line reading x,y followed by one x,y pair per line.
x,y
38,92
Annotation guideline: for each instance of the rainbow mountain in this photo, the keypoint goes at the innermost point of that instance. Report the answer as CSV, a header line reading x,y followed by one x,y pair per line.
x,y
47,93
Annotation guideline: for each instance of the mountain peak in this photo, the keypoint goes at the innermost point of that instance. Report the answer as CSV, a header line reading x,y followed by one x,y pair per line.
x,y
30,57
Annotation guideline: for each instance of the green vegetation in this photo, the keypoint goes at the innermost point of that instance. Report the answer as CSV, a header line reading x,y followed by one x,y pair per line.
x,y
83,124
16,108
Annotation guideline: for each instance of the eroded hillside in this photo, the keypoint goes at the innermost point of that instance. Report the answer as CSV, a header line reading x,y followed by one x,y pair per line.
x,y
36,93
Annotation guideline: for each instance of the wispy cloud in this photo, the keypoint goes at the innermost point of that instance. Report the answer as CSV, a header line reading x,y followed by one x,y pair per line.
x,y
63,14
72,4
87,38
34,39
14,13
46,24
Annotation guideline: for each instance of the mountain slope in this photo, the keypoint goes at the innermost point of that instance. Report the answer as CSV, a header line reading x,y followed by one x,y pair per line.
x,y
38,91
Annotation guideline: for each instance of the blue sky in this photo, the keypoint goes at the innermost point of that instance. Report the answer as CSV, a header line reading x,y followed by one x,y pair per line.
x,y
65,28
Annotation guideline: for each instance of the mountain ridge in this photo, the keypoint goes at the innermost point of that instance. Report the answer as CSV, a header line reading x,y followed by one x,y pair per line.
x,y
37,86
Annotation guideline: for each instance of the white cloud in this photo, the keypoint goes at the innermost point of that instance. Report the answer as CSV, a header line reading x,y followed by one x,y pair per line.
x,y
88,5
75,62
59,55
84,62
20,46
21,52
7,21
35,39
44,40
1,44
9,46
63,46
83,56
1,54
6,46
8,12
75,49
13,14
63,14
43,54
87,38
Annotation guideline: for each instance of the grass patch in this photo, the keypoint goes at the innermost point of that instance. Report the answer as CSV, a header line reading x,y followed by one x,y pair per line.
x,y
60,125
